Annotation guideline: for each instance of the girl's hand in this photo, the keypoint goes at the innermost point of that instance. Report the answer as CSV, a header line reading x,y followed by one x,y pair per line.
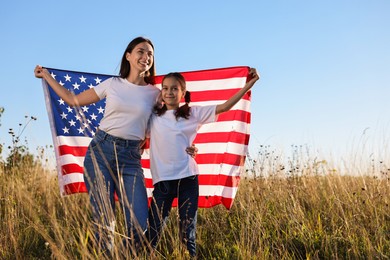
x,y
254,75
39,71
143,145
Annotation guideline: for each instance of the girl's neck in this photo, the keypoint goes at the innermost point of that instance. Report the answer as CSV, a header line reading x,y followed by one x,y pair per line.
x,y
172,107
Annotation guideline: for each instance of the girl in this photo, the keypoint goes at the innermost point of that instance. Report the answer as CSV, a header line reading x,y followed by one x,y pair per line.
x,y
172,128
113,160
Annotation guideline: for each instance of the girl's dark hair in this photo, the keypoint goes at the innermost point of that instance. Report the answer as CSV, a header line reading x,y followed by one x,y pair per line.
x,y
184,110
125,65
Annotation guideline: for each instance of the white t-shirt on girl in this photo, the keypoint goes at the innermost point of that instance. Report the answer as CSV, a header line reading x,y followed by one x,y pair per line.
x,y
169,139
128,107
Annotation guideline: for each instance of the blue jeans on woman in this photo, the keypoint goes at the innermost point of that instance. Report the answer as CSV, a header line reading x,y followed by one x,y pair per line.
x,y
187,192
114,165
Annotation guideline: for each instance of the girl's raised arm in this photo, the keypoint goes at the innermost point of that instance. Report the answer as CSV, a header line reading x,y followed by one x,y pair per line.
x,y
236,97
84,98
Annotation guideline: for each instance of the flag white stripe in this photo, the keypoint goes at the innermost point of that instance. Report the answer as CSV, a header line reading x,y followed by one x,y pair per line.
x,y
70,159
220,168
72,178
215,84
81,141
217,190
228,147
228,126
243,104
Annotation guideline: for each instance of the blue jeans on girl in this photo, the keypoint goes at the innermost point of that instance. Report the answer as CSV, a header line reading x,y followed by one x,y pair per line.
x,y
114,164
187,192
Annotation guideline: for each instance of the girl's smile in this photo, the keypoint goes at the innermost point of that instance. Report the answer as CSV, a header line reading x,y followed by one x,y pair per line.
x,y
172,93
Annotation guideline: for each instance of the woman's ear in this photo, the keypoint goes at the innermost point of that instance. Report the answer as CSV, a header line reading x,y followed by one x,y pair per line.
x,y
128,56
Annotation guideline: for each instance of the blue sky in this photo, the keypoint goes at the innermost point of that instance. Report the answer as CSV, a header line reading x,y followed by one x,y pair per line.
x,y
325,65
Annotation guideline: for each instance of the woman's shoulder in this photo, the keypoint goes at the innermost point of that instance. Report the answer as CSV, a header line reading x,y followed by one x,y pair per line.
x,y
108,81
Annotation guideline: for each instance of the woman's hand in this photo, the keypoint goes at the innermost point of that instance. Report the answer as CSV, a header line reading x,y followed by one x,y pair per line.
x,y
40,71
192,151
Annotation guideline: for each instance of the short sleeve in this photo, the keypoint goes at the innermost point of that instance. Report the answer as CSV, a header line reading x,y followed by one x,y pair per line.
x,y
101,89
204,114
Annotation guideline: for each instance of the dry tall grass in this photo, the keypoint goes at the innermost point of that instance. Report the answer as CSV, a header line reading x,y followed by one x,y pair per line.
x,y
302,210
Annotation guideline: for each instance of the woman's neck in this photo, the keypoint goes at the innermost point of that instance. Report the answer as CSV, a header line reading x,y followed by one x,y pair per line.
x,y
136,78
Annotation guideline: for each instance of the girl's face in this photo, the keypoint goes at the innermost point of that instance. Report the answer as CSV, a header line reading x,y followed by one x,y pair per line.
x,y
141,57
172,93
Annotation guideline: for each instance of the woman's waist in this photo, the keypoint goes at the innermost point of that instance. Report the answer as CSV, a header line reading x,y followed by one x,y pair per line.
x,y
118,140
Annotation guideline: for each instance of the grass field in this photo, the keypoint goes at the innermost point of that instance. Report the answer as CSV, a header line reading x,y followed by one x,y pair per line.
x,y
301,209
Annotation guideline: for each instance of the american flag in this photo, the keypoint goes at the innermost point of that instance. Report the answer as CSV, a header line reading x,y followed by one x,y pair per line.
x,y
222,145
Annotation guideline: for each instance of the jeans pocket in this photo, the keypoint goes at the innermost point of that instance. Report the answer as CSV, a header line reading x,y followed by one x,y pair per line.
x,y
135,154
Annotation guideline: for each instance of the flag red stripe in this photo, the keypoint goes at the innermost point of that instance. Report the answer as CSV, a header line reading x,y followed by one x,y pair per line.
x,y
71,168
212,74
218,158
75,187
211,201
224,180
73,150
145,163
222,137
209,179
237,115
148,183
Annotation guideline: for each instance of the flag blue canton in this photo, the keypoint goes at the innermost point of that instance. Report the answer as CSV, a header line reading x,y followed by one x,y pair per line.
x,y
76,121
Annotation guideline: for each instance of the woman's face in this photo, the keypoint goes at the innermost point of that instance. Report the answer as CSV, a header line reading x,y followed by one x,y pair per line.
x,y
141,57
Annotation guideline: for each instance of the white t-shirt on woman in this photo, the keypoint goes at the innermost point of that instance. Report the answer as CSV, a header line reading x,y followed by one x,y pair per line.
x,y
128,107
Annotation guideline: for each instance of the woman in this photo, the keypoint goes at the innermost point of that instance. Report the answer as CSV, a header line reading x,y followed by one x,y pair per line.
x,y
113,161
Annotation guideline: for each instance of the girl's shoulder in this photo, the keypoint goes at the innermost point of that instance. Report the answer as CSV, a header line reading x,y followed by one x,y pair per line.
x,y
199,109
